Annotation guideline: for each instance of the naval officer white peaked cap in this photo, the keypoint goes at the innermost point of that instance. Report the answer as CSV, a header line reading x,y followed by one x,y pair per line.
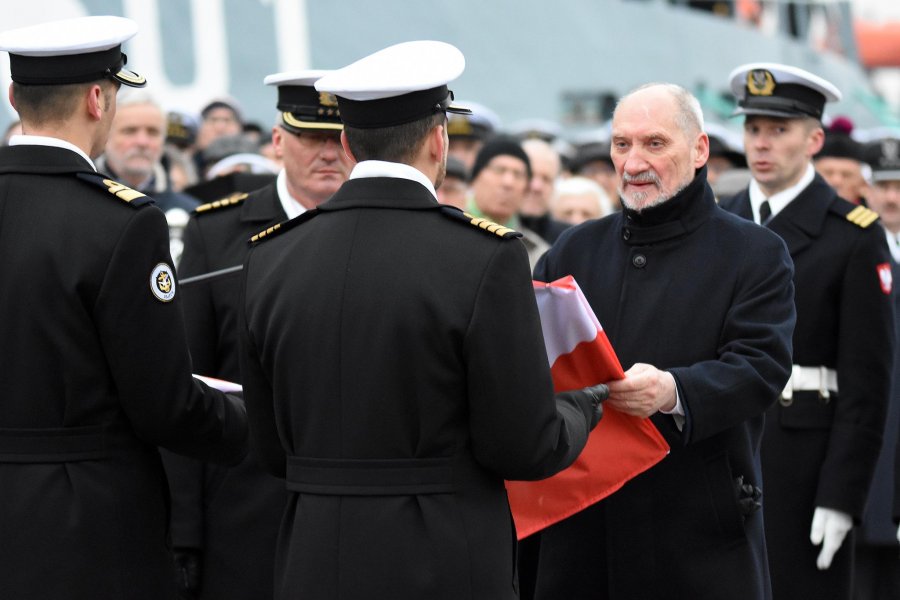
x,y
302,107
776,90
78,50
399,84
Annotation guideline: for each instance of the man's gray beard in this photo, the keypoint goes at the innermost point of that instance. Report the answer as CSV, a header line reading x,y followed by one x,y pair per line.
x,y
635,203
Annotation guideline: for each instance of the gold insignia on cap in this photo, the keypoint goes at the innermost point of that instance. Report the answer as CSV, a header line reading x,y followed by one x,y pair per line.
x,y
760,82
122,191
235,198
162,282
327,99
862,216
490,226
460,126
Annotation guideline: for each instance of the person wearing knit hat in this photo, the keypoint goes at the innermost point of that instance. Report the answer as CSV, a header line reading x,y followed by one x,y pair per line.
x,y
500,178
840,161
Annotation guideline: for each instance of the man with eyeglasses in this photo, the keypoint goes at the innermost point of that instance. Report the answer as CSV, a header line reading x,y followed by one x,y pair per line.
x,y
499,184
225,521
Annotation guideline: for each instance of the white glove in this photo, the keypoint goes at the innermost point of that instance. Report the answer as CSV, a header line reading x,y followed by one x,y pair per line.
x,y
829,528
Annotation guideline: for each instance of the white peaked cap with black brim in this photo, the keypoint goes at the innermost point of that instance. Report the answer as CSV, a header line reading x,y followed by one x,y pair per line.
x,y
776,90
67,51
302,106
399,84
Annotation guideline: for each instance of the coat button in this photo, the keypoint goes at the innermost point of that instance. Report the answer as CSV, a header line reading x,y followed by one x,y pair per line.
x,y
626,234
639,261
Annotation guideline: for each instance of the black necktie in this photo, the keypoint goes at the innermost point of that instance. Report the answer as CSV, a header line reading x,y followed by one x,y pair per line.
x,y
765,211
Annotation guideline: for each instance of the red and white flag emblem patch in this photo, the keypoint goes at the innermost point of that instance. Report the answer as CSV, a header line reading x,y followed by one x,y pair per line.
x,y
885,278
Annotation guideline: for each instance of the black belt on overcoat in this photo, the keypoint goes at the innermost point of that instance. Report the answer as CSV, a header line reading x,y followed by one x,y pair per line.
x,y
385,477
63,444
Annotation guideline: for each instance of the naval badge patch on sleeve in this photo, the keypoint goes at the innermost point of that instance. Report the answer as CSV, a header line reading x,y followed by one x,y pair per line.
x,y
162,282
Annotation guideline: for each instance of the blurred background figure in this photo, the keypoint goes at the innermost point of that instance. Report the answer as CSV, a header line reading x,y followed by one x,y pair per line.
x,y
134,155
726,170
232,164
181,137
592,160
579,199
725,153
468,133
134,150
500,178
877,549
221,117
546,167
535,129
455,187
840,161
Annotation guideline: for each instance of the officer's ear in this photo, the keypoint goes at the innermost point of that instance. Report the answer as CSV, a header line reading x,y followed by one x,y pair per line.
x,y
346,146
438,143
815,140
95,102
12,97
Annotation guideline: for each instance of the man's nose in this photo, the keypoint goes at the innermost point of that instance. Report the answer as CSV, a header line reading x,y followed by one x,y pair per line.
x,y
635,163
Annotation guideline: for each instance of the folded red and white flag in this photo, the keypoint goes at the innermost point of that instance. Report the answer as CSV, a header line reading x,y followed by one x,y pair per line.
x,y
620,447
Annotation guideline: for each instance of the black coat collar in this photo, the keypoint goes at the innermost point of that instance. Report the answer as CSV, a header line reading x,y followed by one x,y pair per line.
x,y
41,159
381,192
803,219
263,206
678,216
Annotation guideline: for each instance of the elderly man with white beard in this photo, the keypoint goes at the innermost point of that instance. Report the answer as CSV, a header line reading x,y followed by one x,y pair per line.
x,y
699,307
134,151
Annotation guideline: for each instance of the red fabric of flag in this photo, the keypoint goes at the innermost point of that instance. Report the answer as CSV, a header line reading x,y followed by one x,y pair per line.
x,y
620,447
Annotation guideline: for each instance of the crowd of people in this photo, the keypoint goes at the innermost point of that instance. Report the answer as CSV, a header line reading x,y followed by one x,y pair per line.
x,y
363,268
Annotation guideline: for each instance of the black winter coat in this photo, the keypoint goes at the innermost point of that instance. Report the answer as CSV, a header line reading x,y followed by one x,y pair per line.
x,y
228,516
695,291
96,374
393,359
816,452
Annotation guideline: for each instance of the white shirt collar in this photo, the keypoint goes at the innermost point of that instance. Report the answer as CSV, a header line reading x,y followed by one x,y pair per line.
x,y
893,242
778,201
380,168
40,140
291,207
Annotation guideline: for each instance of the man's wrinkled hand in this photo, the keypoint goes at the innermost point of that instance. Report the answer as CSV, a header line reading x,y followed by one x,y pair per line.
x,y
644,391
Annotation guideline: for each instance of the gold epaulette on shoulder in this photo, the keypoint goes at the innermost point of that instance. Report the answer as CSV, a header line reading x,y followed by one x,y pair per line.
x,y
265,233
232,200
278,228
122,192
862,216
490,226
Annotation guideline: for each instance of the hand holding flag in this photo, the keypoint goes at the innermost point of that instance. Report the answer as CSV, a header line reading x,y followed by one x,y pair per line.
x,y
620,447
